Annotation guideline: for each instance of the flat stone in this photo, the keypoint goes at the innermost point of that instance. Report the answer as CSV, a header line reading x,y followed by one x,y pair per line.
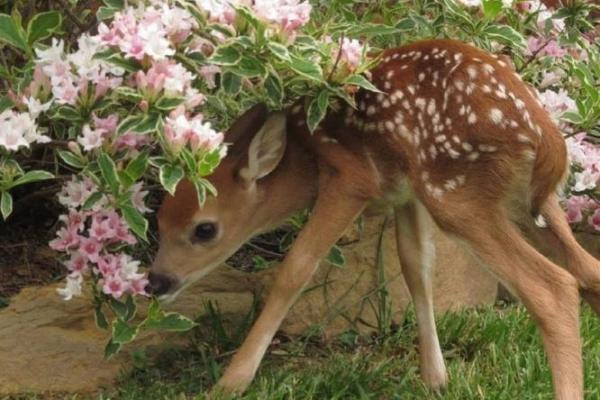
x,y
48,345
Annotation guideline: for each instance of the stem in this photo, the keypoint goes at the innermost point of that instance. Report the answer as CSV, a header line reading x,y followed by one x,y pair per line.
x,y
338,58
71,16
534,55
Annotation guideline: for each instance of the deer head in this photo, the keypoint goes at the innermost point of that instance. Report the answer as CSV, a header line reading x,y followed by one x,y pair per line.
x,y
255,193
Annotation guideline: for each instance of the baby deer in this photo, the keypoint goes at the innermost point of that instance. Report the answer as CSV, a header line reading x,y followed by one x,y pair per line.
x,y
456,139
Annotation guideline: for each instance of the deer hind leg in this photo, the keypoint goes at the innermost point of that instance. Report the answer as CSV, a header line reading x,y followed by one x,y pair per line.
x,y
549,292
334,210
582,265
416,251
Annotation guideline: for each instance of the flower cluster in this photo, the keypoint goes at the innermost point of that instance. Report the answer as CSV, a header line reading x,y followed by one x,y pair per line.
x,y
285,15
181,130
92,237
20,129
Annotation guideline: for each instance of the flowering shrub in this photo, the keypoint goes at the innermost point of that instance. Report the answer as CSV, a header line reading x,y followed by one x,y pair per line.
x,y
144,97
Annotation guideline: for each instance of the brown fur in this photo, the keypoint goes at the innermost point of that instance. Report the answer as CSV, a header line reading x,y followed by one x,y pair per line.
x,y
480,172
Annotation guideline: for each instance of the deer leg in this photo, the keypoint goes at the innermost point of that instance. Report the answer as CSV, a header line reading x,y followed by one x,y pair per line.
x,y
582,265
416,251
549,292
335,209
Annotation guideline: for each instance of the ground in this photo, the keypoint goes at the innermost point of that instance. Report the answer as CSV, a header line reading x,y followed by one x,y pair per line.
x,y
492,353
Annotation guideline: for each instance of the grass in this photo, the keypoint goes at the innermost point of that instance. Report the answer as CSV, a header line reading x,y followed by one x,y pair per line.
x,y
491,353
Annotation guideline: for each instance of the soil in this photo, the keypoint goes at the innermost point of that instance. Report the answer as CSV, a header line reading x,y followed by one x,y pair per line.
x,y
26,259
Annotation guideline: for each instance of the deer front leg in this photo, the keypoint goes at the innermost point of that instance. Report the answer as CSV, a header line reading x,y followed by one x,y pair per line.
x,y
334,211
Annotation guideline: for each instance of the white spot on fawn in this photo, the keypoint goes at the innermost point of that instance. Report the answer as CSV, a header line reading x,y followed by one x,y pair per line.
x,y
496,116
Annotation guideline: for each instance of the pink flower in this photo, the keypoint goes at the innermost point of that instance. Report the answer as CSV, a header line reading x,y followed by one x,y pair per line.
x,y
90,248
114,286
557,103
541,47
91,138
576,205
137,197
288,14
352,52
108,265
131,141
138,286
75,192
218,11
101,229
179,131
107,125
78,263
594,220
66,239
208,72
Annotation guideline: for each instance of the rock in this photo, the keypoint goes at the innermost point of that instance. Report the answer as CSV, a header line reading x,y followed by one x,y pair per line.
x,y
48,345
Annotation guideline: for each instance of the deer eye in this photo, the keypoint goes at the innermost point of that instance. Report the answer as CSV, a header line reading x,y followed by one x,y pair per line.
x,y
204,232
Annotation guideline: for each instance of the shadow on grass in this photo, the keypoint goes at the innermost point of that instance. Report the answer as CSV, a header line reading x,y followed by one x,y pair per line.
x,y
492,353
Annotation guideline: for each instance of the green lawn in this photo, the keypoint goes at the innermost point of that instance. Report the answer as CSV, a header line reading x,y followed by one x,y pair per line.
x,y
492,353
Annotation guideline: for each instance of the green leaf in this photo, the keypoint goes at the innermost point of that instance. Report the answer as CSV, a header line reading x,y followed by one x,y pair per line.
x,y
209,162
129,94
33,176
109,172
274,88
231,83
169,176
147,125
12,33
118,4
250,67
279,51
6,205
227,56
168,103
129,123
101,321
122,332
505,34
371,30
71,159
200,192
137,167
172,322
43,25
5,103
131,308
111,349
491,8
135,220
118,307
115,58
306,68
68,113
317,110
105,13
336,257
91,201
361,81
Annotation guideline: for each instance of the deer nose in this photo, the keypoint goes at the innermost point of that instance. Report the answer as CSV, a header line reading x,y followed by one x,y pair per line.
x,y
159,284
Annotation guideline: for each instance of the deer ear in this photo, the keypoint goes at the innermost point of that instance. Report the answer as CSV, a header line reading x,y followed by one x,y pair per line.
x,y
265,150
246,125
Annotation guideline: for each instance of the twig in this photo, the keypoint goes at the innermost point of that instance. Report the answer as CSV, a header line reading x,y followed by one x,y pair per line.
x,y
72,17
269,252
534,55
337,60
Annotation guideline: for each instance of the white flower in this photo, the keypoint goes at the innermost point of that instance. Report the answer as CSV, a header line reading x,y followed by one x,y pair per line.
x,y
586,180
471,3
156,45
35,106
557,103
18,130
53,54
91,138
73,287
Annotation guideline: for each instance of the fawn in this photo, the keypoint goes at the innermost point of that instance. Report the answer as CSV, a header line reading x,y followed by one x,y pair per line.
x,y
454,138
